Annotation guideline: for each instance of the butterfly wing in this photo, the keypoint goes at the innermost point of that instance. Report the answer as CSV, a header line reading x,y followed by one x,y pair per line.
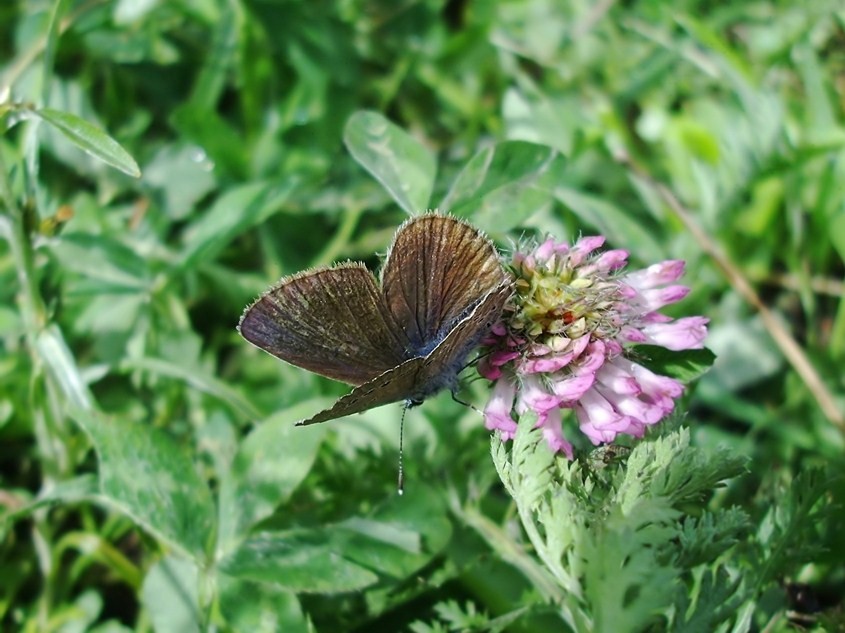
x,y
441,367
438,268
417,378
392,386
331,321
443,287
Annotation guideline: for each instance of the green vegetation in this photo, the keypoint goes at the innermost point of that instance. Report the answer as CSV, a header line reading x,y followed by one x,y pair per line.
x,y
163,162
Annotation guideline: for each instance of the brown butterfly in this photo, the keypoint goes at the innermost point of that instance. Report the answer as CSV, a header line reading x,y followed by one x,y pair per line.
x,y
404,337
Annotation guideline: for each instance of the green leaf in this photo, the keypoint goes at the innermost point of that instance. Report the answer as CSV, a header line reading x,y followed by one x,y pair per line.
x,y
625,578
702,539
111,310
146,475
77,614
61,363
104,259
669,468
182,175
503,185
235,212
396,159
698,139
401,536
788,535
308,561
221,58
260,607
715,42
620,227
81,488
127,12
718,599
197,379
69,491
684,365
270,463
747,355
837,232
171,596
91,139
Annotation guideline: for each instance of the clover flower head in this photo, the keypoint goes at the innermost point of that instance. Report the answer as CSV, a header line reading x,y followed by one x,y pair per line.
x,y
564,342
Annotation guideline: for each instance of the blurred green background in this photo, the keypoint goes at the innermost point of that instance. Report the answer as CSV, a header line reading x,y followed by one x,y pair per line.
x,y
706,131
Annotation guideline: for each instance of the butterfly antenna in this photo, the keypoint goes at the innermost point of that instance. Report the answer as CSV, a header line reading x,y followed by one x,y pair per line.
x,y
400,484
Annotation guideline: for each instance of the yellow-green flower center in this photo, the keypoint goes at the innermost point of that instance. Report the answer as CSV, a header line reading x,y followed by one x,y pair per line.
x,y
551,306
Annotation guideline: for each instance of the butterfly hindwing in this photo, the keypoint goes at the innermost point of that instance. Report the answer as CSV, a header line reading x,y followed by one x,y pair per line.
x,y
391,386
441,367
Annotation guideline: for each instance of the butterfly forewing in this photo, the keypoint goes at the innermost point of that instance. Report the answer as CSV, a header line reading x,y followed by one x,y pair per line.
x,y
332,321
438,268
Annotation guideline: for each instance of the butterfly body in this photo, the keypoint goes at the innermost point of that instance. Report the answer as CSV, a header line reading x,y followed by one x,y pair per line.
x,y
404,337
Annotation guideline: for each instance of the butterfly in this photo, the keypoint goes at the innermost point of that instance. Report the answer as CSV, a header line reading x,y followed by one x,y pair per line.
x,y
402,337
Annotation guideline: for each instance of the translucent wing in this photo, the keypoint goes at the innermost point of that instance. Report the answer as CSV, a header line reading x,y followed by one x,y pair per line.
x,y
438,268
332,321
392,386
